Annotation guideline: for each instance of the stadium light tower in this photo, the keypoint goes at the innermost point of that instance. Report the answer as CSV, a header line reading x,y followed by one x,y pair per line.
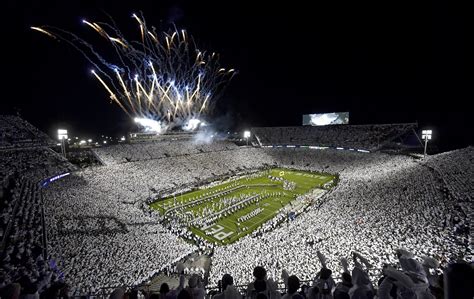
x,y
247,136
426,135
62,135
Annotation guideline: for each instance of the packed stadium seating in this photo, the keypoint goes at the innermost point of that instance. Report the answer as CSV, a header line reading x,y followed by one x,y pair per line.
x,y
123,153
21,228
458,180
367,137
388,196
24,164
100,232
16,132
34,164
452,169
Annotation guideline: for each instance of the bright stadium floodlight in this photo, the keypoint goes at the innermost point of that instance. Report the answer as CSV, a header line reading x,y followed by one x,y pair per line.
x,y
62,136
247,136
426,135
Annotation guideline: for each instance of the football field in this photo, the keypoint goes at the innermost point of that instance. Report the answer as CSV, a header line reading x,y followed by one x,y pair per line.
x,y
223,212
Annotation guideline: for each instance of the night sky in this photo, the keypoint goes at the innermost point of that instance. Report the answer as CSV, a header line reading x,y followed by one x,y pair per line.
x,y
384,63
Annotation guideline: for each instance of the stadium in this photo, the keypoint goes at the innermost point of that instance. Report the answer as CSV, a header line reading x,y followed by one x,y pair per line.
x,y
137,162
112,218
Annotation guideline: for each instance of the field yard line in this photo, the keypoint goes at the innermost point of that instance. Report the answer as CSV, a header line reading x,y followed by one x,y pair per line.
x,y
248,187
260,218
231,229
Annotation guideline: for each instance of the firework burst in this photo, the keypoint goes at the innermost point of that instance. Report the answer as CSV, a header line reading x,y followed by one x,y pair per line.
x,y
162,76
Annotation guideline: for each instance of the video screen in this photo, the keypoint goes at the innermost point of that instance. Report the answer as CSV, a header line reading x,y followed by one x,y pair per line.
x,y
323,119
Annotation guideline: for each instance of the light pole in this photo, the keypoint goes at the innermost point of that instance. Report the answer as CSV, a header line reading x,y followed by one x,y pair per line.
x,y
426,135
62,136
247,136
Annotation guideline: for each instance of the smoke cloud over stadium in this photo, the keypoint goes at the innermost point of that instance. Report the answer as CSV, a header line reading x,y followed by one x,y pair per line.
x,y
162,81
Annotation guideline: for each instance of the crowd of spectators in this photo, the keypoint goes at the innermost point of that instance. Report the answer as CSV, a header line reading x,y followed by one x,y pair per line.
x,y
382,202
389,201
100,232
366,137
140,151
23,239
16,132
411,278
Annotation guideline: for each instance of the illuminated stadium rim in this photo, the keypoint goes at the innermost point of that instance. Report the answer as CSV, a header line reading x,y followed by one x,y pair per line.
x,y
54,178
318,147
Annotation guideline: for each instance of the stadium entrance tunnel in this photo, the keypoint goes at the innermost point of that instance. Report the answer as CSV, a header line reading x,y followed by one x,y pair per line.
x,y
224,211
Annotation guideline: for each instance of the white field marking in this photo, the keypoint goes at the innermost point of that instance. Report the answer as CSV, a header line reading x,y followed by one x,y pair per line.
x,y
222,235
217,228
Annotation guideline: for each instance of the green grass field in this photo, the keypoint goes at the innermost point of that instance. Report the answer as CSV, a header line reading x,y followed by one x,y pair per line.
x,y
213,212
